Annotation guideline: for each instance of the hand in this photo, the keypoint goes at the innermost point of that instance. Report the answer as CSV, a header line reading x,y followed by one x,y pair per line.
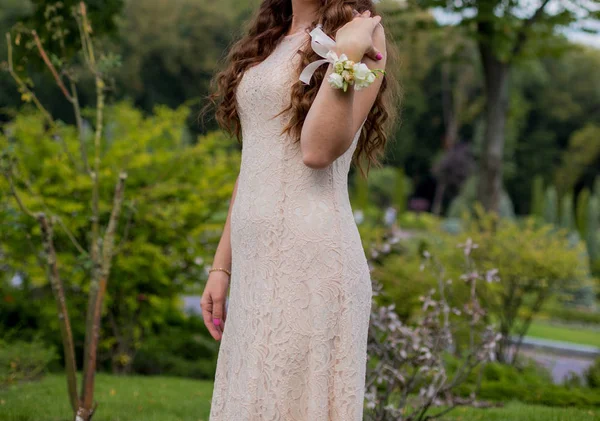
x,y
213,302
355,38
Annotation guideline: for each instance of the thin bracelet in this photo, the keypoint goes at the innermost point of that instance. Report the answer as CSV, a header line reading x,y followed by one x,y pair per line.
x,y
221,269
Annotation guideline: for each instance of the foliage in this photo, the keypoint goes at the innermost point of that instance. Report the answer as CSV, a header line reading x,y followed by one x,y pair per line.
x,y
528,382
177,352
534,263
592,236
172,49
537,197
551,206
592,375
554,118
567,219
24,360
451,171
582,211
583,151
177,202
385,186
467,199
402,189
47,13
565,314
408,374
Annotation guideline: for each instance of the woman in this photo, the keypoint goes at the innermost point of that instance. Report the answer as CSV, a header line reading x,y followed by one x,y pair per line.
x,y
294,333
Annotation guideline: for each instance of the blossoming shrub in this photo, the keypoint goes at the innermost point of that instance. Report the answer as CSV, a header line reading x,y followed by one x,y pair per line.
x,y
534,263
408,373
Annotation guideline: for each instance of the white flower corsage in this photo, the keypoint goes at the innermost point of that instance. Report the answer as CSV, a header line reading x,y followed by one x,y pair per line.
x,y
348,73
345,72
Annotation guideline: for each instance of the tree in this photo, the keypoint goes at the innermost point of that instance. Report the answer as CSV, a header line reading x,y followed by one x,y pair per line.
x,y
171,49
178,190
51,170
505,32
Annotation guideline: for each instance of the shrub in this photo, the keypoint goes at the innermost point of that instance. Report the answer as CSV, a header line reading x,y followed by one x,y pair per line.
x,y
592,375
574,315
177,352
408,373
528,383
21,360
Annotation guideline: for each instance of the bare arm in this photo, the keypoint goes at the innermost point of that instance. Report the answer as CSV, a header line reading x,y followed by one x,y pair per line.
x,y
222,257
215,292
336,115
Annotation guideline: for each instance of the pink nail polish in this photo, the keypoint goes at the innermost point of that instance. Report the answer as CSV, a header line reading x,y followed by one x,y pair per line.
x,y
379,56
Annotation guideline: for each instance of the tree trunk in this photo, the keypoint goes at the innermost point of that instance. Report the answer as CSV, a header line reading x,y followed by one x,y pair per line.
x,y
440,190
496,74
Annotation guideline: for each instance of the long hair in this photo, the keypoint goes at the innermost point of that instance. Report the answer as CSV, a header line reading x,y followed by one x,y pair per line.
x,y
268,25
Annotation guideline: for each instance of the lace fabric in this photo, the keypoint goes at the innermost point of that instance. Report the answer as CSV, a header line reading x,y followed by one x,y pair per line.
x,y
294,346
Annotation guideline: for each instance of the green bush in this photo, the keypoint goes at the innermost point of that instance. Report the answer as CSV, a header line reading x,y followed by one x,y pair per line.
x,y
534,262
572,315
419,221
528,383
592,375
20,360
177,352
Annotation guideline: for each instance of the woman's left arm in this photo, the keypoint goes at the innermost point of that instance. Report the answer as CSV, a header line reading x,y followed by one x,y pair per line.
x,y
335,116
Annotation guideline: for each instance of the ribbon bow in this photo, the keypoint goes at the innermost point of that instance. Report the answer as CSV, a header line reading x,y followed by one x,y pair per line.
x,y
321,44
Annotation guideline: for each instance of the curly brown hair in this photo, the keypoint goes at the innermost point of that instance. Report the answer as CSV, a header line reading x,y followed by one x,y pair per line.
x,y
267,27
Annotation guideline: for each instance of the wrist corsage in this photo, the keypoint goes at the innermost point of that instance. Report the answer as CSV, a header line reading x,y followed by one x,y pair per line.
x,y
345,72
348,73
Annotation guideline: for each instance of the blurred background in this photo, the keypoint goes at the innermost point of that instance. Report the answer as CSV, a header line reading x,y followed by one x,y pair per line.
x,y
482,226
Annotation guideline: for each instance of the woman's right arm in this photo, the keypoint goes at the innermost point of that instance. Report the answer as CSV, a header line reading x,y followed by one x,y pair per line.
x,y
215,291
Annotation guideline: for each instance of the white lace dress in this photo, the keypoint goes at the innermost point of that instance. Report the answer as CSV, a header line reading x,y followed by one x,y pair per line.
x,y
294,345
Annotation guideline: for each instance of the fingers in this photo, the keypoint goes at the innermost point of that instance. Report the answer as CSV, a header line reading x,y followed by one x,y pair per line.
x,y
373,53
217,313
207,315
375,20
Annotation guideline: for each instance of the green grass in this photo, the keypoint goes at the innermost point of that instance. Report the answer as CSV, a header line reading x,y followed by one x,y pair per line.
x,y
516,411
175,399
577,335
120,398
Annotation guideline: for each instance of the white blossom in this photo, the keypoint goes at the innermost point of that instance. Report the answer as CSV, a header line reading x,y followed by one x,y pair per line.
x,y
336,80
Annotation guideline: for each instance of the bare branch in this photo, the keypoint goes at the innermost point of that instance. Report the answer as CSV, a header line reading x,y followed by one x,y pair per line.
x,y
50,66
109,236
127,228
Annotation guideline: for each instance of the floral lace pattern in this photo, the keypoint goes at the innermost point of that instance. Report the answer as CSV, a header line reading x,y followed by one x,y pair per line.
x,y
294,346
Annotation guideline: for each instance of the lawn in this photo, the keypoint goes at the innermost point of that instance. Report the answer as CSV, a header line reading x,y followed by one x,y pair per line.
x,y
577,335
120,398
175,399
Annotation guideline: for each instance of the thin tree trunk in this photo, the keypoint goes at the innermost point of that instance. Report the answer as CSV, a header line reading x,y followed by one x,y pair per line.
x,y
63,314
97,295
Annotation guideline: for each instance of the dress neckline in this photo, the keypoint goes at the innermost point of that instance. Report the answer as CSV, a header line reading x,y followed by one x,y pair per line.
x,y
295,34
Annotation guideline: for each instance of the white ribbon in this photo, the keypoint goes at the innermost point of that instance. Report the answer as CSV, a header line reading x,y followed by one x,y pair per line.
x,y
321,44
